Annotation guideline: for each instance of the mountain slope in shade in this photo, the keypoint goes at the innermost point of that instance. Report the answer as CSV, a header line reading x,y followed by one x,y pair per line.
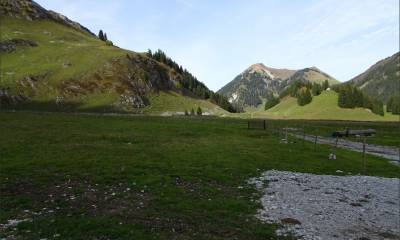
x,y
52,63
257,82
254,84
381,80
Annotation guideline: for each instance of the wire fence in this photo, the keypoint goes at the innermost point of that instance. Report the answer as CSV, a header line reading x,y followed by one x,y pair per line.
x,y
354,140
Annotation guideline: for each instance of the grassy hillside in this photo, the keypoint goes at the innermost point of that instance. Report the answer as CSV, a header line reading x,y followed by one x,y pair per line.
x,y
172,102
322,107
101,177
80,69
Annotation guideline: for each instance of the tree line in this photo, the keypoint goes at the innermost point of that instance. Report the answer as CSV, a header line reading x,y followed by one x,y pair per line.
x,y
189,82
303,91
351,97
393,104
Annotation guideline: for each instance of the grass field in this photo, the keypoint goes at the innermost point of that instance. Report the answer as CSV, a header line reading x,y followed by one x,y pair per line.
x,y
323,107
173,102
101,177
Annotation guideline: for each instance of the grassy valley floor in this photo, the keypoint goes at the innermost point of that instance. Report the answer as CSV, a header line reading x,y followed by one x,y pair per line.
x,y
72,176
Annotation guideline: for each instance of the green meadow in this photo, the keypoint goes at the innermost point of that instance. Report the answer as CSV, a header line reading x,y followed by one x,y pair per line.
x,y
77,176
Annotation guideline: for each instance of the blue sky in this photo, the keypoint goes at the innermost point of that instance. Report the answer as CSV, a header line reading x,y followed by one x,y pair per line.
x,y
216,40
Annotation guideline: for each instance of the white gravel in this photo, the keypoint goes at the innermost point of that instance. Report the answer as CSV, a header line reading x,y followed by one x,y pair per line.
x,y
330,207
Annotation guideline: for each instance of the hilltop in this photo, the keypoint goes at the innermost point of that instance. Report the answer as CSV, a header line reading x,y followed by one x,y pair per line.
x,y
52,63
257,82
323,107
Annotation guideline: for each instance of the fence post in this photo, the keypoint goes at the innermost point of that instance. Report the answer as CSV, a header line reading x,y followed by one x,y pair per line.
x,y
248,124
264,124
315,143
364,165
286,136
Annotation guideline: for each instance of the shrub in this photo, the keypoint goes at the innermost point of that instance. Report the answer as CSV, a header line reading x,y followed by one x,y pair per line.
x,y
199,111
109,43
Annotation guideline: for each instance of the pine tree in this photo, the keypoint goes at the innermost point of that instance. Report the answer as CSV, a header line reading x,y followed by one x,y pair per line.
x,y
105,37
325,85
199,111
101,35
192,112
149,53
186,113
304,97
271,102
316,89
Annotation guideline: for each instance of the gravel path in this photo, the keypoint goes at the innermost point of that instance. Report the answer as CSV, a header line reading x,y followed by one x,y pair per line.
x,y
390,153
330,207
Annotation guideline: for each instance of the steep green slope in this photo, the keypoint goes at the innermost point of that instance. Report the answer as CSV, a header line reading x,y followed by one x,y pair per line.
x,y
381,80
323,106
50,63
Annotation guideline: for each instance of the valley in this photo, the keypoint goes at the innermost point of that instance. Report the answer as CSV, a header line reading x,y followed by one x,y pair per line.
x,y
98,141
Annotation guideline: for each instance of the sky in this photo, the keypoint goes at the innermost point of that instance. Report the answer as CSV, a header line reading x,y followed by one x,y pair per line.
x,y
217,40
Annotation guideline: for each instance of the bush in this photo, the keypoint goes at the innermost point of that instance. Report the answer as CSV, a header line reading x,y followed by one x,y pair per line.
x,y
199,111
109,43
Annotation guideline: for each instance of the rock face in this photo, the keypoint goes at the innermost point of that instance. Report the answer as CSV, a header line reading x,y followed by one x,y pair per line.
x,y
30,10
11,45
330,207
381,80
257,82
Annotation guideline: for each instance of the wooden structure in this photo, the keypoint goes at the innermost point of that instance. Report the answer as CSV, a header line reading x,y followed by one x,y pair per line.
x,y
256,124
354,133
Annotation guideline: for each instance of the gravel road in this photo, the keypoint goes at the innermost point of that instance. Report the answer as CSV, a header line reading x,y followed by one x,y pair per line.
x,y
330,207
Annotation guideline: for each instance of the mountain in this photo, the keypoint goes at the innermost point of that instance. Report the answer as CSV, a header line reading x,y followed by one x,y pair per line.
x,y
49,62
256,83
381,80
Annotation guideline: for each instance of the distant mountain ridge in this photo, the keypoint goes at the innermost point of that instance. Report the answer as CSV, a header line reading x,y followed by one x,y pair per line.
x,y
257,82
381,80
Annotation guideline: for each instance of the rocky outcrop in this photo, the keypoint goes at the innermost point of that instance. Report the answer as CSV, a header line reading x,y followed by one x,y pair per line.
x,y
30,10
7,99
11,45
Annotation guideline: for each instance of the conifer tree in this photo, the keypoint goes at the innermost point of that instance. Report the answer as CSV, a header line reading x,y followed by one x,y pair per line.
x,y
325,85
101,35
